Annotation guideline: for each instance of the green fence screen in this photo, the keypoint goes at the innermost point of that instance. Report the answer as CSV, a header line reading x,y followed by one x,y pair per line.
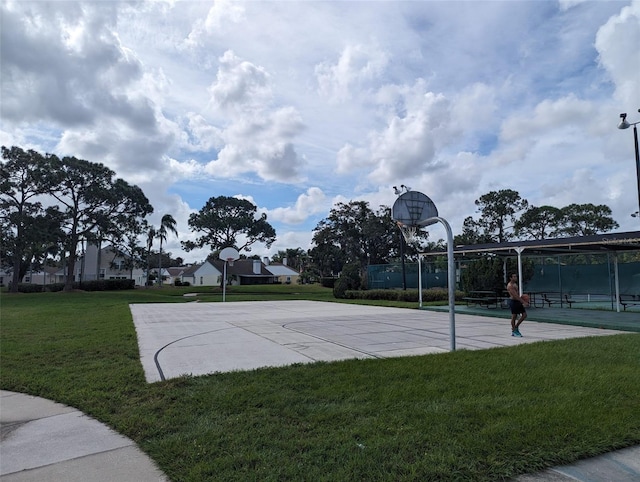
x,y
549,275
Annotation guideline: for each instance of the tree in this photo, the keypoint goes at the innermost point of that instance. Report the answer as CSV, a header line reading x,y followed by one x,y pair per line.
x,y
27,228
587,219
91,201
471,234
350,279
326,256
228,221
166,224
296,258
498,209
151,235
487,272
129,247
539,223
353,233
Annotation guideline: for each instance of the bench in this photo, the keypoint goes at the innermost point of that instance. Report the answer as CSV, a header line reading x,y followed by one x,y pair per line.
x,y
628,300
556,300
482,298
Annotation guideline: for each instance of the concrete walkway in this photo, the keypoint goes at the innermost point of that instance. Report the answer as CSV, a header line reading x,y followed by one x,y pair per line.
x,y
46,441
619,466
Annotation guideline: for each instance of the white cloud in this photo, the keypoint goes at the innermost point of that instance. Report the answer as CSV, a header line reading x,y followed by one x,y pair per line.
x,y
337,100
222,16
259,137
618,44
357,66
312,202
240,85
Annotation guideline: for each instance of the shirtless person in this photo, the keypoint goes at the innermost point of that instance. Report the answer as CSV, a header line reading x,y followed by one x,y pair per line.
x,y
517,305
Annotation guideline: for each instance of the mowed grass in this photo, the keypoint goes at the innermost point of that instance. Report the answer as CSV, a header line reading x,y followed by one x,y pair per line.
x,y
468,415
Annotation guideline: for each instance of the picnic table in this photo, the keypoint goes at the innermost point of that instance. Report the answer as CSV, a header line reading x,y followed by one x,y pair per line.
x,y
537,298
482,298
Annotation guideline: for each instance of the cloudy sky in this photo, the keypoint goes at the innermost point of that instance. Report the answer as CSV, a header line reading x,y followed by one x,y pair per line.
x,y
297,105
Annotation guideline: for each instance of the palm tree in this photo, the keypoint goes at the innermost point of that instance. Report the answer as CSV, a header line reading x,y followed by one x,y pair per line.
x,y
166,224
151,235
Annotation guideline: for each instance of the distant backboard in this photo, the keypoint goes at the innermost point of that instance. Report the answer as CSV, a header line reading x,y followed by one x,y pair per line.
x,y
414,209
229,254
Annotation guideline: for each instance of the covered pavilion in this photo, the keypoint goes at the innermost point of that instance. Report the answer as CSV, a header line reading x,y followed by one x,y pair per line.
x,y
610,243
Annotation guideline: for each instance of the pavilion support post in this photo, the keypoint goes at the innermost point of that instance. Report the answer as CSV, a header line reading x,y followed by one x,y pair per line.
x,y
616,279
420,280
519,250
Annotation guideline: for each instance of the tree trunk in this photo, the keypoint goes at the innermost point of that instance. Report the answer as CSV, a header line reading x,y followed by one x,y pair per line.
x,y
15,278
71,263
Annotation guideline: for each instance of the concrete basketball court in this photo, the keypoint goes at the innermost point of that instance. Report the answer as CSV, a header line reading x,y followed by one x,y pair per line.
x,y
202,338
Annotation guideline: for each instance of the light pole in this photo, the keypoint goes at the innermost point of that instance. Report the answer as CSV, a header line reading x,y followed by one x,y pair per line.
x,y
625,125
398,192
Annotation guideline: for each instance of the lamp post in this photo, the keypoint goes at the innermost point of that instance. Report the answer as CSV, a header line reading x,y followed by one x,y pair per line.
x,y
398,192
625,125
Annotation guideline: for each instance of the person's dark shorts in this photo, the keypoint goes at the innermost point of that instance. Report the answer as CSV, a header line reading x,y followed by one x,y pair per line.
x,y
516,307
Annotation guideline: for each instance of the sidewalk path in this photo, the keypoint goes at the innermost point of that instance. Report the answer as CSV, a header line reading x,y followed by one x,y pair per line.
x,y
619,466
46,441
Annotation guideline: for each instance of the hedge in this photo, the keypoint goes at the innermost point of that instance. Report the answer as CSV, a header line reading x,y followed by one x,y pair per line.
x,y
93,285
431,294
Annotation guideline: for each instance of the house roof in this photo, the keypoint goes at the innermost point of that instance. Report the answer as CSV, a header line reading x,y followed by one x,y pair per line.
x,y
281,270
243,267
176,270
189,270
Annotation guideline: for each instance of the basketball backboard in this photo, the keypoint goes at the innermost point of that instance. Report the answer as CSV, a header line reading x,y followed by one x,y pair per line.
x,y
414,209
229,254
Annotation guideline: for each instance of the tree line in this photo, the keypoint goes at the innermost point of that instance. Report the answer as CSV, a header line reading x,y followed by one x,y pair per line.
x,y
353,233
48,205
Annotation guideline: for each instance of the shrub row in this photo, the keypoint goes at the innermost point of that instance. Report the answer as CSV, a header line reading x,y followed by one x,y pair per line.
x,y
431,294
328,282
94,285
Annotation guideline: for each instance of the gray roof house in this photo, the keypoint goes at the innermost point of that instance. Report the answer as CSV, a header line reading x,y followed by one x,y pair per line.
x,y
247,272
205,274
283,273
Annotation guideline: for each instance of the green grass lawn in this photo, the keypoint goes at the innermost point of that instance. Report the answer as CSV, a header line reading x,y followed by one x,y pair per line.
x,y
467,415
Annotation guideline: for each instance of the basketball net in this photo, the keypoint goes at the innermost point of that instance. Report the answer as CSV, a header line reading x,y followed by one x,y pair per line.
x,y
408,232
230,261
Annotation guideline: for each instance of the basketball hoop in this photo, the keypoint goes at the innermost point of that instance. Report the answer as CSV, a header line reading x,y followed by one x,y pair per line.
x,y
408,232
228,255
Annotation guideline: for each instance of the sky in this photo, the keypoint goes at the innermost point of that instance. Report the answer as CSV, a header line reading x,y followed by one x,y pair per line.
x,y
299,105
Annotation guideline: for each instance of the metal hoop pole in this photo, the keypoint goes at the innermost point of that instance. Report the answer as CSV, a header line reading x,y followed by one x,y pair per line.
x,y
224,281
451,275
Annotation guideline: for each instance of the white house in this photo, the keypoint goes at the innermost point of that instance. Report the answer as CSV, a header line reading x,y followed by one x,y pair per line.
x,y
106,264
205,274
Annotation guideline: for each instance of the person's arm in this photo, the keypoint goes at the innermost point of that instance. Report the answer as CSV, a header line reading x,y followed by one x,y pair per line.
x,y
513,292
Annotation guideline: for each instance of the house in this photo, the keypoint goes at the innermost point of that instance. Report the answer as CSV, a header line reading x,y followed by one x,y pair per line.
x,y
205,274
173,274
93,264
283,273
45,276
106,263
246,272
